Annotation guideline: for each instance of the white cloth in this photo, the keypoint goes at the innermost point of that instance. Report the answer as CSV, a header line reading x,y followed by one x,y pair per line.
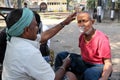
x,y
44,28
23,61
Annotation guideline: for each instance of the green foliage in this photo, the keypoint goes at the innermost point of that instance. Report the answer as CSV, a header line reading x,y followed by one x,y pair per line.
x,y
68,1
117,5
91,4
109,3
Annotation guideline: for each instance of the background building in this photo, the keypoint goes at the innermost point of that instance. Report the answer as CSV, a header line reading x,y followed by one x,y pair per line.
x,y
57,5
52,5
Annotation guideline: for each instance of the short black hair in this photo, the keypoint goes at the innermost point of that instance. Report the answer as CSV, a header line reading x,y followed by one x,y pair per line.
x,y
37,16
39,22
13,17
25,3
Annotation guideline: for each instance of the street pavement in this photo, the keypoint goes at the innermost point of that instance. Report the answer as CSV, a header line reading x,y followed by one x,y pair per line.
x,y
67,40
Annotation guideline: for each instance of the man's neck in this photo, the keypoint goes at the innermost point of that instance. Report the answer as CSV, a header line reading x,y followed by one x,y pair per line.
x,y
88,37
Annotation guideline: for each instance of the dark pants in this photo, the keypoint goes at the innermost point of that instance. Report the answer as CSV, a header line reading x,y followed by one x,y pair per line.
x,y
80,67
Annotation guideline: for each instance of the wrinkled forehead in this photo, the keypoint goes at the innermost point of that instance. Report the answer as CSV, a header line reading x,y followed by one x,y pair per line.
x,y
83,15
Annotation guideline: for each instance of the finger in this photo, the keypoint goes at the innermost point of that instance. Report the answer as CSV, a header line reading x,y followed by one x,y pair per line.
x,y
73,18
67,58
74,14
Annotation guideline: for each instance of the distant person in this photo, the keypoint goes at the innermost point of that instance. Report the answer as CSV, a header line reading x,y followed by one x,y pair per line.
x,y
95,13
25,5
23,60
94,63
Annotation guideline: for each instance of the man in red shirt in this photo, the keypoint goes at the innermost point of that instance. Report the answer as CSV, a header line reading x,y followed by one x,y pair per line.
x,y
94,63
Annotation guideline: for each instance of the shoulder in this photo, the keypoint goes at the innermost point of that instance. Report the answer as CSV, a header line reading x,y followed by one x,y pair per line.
x,y
100,34
22,48
101,37
23,44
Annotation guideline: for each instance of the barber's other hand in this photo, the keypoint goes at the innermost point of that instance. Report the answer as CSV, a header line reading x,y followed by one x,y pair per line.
x,y
69,19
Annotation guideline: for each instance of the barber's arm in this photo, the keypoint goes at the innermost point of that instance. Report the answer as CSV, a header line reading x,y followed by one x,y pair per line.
x,y
107,69
62,70
52,31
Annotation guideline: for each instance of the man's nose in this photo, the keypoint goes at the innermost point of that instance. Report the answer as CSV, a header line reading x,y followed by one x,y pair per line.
x,y
80,24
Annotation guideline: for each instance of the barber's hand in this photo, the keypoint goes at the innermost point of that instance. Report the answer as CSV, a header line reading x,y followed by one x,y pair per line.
x,y
69,19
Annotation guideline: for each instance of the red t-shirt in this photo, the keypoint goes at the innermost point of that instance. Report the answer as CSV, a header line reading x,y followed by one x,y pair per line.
x,y
96,49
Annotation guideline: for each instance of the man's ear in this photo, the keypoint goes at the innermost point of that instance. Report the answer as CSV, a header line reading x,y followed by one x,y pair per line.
x,y
26,30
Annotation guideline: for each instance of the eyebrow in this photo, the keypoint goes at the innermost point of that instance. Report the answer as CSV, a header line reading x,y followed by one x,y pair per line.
x,y
83,20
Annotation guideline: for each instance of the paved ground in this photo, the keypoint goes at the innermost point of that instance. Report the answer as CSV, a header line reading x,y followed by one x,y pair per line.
x,y
67,38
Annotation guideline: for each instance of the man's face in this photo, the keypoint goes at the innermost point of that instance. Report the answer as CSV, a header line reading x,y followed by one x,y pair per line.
x,y
33,29
84,20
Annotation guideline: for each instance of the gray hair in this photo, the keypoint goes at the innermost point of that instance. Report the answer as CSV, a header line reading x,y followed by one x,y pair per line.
x,y
90,16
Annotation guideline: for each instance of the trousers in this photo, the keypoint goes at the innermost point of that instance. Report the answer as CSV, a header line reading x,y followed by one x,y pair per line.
x,y
79,67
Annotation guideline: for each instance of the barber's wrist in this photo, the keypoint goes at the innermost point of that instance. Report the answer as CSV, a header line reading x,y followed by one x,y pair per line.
x,y
63,68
